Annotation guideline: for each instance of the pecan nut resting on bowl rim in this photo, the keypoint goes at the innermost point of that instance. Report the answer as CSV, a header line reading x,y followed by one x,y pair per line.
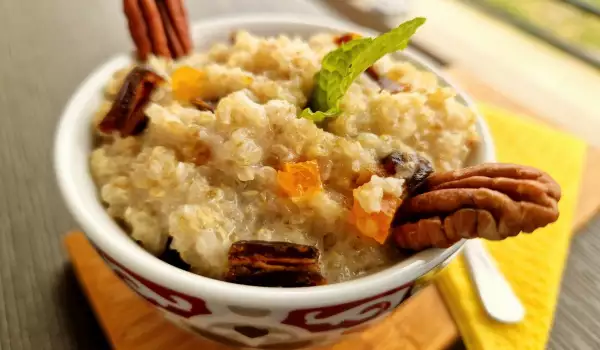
x,y
217,309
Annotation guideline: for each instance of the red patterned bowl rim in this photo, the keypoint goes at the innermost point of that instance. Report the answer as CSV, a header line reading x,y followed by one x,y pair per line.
x,y
71,150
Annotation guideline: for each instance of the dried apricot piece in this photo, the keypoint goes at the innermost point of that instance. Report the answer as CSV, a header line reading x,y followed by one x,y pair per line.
x,y
375,225
300,179
187,83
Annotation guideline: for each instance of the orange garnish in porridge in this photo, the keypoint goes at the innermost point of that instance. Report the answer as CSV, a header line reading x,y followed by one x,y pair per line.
x,y
375,225
300,179
187,83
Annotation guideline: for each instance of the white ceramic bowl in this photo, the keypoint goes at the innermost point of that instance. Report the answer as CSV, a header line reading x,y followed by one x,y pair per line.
x,y
230,313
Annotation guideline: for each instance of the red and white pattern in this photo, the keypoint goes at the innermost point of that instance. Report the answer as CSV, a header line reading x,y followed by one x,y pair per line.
x,y
348,315
175,302
235,324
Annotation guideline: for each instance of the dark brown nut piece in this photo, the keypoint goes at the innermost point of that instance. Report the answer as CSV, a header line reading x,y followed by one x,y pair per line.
x,y
127,112
277,253
273,264
408,166
435,232
275,278
490,201
497,170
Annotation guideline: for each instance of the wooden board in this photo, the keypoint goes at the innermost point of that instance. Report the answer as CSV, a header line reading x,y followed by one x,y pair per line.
x,y
422,322
132,323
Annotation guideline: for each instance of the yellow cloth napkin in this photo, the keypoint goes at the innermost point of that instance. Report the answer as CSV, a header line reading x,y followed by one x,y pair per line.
x,y
533,264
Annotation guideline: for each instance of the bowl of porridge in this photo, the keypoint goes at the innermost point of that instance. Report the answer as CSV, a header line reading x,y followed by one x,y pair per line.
x,y
237,217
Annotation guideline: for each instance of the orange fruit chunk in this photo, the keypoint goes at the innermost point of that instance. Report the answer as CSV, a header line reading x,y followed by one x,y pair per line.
x,y
300,179
375,225
187,83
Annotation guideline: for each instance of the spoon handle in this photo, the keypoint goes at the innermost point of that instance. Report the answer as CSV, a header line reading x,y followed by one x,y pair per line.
x,y
496,295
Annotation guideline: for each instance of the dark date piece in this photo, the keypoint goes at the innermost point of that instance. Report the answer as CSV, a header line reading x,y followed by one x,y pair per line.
x,y
274,264
413,168
126,115
274,278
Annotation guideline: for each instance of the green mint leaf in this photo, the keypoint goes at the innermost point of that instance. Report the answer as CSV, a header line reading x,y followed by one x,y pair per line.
x,y
342,66
319,116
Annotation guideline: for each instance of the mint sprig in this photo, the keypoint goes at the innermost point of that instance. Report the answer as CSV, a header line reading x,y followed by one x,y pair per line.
x,y
342,66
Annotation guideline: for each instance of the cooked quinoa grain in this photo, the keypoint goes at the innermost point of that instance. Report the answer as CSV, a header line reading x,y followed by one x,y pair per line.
x,y
208,179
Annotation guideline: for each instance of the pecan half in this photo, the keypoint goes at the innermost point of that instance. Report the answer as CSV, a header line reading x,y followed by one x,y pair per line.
x,y
126,114
159,27
273,264
491,201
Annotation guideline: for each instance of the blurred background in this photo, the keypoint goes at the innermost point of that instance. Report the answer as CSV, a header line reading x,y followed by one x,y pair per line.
x,y
526,49
540,55
572,25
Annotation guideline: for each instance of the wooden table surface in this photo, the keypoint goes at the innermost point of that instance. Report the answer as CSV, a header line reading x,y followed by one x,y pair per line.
x,y
46,49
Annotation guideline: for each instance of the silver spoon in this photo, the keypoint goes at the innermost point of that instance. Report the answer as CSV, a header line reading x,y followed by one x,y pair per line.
x,y
495,293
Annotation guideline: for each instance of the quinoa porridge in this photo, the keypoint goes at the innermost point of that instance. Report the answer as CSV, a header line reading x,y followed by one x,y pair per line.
x,y
243,166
